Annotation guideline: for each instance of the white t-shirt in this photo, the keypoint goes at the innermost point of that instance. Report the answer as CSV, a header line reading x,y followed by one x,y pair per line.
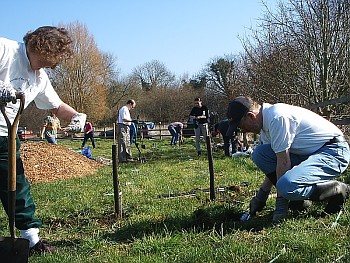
x,y
15,70
124,113
297,129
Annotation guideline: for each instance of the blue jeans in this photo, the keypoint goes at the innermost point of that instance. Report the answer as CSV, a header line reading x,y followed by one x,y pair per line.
x,y
132,133
299,182
175,135
51,139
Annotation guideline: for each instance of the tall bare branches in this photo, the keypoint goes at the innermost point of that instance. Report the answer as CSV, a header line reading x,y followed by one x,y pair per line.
x,y
152,75
223,76
82,80
302,50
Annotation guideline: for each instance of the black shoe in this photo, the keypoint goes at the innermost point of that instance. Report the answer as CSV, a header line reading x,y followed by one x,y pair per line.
x,y
41,247
199,153
336,193
336,202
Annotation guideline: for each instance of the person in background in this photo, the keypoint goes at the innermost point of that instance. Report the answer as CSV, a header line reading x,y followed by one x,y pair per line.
x,y
50,127
175,129
301,154
88,134
200,115
124,122
22,72
232,140
245,144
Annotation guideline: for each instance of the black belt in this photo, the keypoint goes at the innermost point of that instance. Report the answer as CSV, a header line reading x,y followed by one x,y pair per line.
x,y
335,140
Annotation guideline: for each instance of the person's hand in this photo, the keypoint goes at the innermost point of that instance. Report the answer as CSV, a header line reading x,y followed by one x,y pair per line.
x,y
281,210
7,93
256,205
77,123
258,202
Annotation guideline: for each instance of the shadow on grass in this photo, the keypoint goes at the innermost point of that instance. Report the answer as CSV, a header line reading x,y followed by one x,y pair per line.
x,y
221,217
218,217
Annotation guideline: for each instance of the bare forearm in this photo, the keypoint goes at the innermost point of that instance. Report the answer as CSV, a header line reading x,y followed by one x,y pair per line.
x,y
65,112
281,169
283,164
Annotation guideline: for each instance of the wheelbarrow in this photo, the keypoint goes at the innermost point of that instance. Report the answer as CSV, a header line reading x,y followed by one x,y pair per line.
x,y
13,249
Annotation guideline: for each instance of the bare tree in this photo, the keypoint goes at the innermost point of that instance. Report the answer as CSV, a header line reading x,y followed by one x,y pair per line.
x,y
273,73
82,80
118,92
153,75
222,76
161,105
304,48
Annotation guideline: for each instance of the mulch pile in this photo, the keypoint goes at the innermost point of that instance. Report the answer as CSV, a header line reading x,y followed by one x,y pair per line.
x,y
44,162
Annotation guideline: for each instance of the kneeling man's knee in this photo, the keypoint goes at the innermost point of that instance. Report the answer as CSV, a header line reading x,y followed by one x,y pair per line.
x,y
285,188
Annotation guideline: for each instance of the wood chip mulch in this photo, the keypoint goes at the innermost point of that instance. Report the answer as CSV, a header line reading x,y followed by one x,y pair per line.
x,y
44,162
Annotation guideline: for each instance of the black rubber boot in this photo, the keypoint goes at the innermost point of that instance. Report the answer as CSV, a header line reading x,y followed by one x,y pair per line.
x,y
335,192
296,206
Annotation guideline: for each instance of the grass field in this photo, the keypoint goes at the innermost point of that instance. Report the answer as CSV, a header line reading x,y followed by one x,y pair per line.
x,y
167,215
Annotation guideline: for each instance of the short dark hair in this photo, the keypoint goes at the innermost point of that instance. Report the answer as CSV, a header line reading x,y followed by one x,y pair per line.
x,y
197,99
130,102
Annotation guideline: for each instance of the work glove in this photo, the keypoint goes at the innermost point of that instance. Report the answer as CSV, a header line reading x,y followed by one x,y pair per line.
x,y
77,123
281,210
258,202
7,93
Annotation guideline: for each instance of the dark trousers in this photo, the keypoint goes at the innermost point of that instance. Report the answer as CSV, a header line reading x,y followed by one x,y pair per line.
x,y
230,141
88,136
25,207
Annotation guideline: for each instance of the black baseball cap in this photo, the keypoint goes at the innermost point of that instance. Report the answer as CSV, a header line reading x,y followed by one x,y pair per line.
x,y
237,108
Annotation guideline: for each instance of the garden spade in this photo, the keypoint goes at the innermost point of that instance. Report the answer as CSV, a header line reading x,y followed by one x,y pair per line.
x,y
13,249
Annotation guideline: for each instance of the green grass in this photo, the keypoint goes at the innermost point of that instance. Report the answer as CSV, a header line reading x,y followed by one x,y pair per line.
x,y
79,218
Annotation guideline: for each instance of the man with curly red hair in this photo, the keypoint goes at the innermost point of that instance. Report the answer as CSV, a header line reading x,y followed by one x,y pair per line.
x,y
22,71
